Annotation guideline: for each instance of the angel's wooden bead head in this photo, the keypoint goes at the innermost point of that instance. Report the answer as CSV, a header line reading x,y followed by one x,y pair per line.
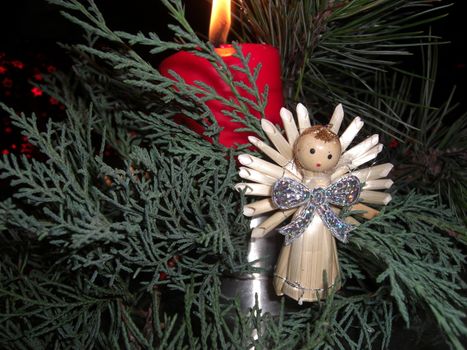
x,y
317,149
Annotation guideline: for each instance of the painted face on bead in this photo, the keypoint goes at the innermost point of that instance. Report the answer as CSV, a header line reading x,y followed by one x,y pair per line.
x,y
317,149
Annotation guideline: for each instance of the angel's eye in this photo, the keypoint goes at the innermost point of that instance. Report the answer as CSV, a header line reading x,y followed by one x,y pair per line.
x,y
329,156
312,151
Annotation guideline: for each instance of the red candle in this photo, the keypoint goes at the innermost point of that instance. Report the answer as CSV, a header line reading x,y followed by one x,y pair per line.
x,y
194,68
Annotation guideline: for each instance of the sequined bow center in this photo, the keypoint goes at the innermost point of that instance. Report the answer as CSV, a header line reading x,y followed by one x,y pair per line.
x,y
288,193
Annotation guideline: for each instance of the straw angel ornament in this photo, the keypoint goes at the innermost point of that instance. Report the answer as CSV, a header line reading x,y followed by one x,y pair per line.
x,y
314,176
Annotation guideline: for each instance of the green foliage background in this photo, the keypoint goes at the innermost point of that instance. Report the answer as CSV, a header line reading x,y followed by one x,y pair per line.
x,y
82,261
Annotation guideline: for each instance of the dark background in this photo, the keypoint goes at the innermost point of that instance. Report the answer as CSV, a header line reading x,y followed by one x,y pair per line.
x,y
33,26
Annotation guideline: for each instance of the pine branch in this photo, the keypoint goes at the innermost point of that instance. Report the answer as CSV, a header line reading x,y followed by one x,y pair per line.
x,y
331,48
433,157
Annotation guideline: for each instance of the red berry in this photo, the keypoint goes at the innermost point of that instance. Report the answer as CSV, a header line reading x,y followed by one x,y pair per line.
x,y
393,144
17,64
36,91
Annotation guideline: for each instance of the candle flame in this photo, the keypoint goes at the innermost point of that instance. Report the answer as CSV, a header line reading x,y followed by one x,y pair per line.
x,y
220,22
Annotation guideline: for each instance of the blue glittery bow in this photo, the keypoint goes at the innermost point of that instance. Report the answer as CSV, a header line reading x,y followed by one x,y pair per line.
x,y
288,193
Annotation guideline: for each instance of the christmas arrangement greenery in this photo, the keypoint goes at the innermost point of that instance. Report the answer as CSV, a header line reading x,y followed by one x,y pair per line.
x,y
129,251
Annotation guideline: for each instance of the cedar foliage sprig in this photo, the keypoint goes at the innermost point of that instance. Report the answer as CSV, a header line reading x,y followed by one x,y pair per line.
x,y
426,278
82,258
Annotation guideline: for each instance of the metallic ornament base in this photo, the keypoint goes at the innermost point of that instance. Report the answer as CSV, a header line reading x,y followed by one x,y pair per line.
x,y
259,285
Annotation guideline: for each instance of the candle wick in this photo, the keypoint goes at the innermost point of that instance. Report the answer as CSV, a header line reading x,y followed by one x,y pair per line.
x,y
217,42
219,37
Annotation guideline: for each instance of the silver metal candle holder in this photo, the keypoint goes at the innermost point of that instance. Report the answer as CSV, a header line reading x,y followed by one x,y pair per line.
x,y
248,287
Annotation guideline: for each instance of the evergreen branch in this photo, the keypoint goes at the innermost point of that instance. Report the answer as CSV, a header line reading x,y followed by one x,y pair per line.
x,y
331,48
